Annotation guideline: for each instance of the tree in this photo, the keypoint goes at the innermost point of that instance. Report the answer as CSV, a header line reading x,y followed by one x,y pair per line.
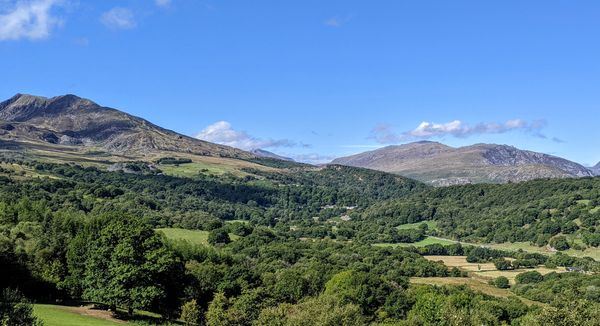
x,y
529,277
502,264
322,310
501,282
217,311
218,236
15,310
560,243
190,313
129,266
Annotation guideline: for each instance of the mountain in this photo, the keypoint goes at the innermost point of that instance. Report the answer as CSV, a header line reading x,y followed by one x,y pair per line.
x,y
596,169
72,124
442,165
267,154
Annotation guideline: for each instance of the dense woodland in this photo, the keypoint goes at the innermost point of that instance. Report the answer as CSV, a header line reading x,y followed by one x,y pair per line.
x,y
77,234
536,211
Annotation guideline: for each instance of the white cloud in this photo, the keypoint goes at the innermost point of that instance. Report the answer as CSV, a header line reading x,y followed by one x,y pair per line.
x,y
28,19
223,133
163,3
337,21
118,18
384,134
312,158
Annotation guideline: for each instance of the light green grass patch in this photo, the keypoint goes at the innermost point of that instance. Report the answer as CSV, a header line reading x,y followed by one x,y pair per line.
x,y
432,225
190,170
425,242
53,315
237,221
197,237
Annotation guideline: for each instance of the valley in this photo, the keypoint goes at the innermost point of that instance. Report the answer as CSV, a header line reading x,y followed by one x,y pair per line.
x,y
226,235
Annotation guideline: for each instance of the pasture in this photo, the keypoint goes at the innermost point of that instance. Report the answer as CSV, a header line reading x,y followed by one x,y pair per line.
x,y
197,237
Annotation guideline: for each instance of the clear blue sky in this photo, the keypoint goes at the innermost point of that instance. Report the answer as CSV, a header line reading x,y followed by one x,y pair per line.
x,y
318,78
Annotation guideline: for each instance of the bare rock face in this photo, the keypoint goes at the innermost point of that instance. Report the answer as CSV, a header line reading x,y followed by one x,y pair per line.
x,y
73,121
442,165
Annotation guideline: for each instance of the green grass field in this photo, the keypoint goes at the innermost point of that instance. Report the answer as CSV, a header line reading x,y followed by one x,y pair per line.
x,y
190,170
432,225
193,236
425,242
53,315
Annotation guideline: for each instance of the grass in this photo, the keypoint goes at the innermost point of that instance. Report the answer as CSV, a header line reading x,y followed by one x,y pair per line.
x,y
190,170
237,221
53,315
193,236
425,242
487,271
432,225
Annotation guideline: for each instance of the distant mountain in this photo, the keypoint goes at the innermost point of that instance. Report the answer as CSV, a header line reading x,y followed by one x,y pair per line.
x,y
70,123
596,169
267,154
442,165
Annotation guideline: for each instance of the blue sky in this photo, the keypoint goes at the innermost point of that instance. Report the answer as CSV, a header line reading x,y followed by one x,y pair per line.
x,y
316,79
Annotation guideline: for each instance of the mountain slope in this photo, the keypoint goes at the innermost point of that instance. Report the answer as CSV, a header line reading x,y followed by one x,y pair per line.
x,y
72,123
441,165
267,154
596,169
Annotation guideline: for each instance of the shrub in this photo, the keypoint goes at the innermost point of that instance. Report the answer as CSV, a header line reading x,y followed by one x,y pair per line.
x,y
529,277
501,282
190,313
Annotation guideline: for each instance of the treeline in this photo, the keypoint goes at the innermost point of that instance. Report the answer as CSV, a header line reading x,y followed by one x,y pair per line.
x,y
541,212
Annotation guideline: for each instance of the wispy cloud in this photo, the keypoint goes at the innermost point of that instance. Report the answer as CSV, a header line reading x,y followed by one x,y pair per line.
x,y
223,133
384,134
163,3
29,20
312,158
338,21
118,18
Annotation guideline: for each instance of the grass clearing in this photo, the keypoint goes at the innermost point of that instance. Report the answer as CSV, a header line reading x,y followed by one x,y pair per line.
x,y
191,170
53,315
487,271
197,237
237,221
431,225
425,242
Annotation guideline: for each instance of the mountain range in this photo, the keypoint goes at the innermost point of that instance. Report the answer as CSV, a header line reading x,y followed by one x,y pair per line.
x,y
442,165
70,128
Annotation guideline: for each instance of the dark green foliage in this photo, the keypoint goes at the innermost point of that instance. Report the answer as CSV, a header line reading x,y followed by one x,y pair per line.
x,y
128,266
15,310
503,264
218,236
558,288
88,234
529,277
173,161
532,211
560,243
501,282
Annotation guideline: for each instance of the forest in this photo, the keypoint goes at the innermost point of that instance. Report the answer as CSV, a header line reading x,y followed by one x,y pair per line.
x,y
294,247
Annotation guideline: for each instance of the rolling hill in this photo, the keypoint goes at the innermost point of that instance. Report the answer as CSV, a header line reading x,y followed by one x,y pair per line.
x,y
442,165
